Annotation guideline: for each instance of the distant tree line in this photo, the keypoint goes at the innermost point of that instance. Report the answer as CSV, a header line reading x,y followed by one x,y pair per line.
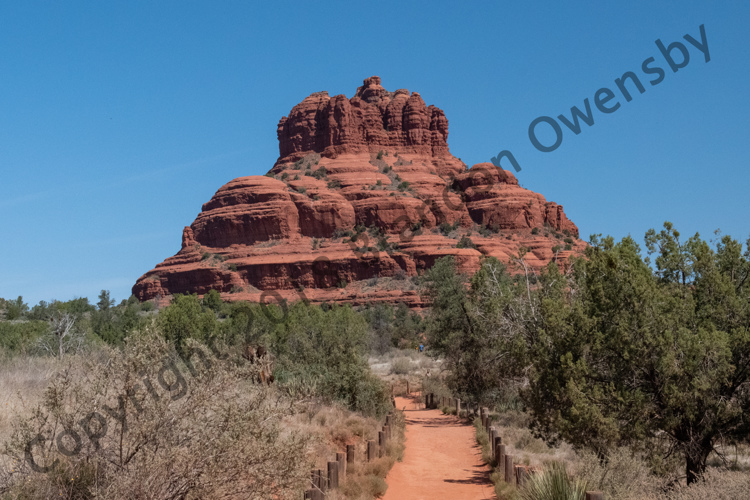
x,y
319,350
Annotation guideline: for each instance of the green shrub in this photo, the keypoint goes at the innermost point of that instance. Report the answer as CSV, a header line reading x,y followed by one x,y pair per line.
x,y
185,319
401,366
325,349
447,228
465,242
20,337
320,173
553,484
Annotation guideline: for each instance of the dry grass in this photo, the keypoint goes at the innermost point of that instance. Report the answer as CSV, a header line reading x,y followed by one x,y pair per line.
x,y
525,448
23,380
624,476
398,366
218,435
331,429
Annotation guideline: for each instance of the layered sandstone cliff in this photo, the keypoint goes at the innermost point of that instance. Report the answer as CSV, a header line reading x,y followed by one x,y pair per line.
x,y
365,196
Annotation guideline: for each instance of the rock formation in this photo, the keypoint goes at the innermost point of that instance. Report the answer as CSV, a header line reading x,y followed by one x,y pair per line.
x,y
364,196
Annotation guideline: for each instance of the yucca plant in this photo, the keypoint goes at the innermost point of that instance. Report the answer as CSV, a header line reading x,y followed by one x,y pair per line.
x,y
553,484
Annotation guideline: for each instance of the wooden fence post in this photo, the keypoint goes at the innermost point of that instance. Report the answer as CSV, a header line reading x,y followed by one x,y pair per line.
x,y
350,453
520,475
492,442
594,495
458,407
509,477
314,494
319,479
387,430
496,447
371,450
341,459
333,475
381,443
501,458
407,388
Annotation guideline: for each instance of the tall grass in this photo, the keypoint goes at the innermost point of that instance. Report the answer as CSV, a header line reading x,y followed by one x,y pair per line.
x,y
553,483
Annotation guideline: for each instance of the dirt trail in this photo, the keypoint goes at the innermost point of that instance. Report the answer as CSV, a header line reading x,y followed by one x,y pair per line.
x,y
441,460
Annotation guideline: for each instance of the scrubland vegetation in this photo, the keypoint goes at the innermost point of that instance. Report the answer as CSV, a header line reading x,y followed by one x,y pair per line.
x,y
126,401
633,371
624,372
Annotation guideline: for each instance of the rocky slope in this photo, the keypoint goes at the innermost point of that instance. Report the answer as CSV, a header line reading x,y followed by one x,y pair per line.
x,y
365,196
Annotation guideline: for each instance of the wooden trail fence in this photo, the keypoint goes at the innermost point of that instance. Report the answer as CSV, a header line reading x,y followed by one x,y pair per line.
x,y
323,481
514,474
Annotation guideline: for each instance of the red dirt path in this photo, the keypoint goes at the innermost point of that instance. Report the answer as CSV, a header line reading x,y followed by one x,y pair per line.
x,y
441,460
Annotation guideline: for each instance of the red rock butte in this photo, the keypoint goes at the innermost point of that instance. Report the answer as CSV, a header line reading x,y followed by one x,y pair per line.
x,y
364,196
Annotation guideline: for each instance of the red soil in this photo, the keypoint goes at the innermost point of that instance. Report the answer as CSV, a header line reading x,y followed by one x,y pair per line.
x,y
441,460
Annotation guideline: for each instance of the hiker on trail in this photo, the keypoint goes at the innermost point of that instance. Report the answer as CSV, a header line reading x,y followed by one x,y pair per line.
x,y
421,348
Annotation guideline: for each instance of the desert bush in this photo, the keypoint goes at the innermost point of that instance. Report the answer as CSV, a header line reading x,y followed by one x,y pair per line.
x,y
447,228
144,423
186,319
401,366
16,338
553,483
435,385
596,349
62,336
716,484
328,347
14,309
320,173
465,242
624,475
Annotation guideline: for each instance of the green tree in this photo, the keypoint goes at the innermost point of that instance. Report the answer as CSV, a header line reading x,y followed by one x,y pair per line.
x,y
380,319
446,291
105,302
325,350
212,300
78,306
408,327
635,355
185,319
15,309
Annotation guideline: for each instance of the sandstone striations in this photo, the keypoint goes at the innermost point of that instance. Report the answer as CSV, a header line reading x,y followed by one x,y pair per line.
x,y
365,195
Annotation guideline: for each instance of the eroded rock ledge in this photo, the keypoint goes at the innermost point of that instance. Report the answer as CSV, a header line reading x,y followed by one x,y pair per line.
x,y
364,196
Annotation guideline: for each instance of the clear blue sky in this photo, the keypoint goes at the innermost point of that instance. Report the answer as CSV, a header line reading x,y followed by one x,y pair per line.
x,y
119,119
